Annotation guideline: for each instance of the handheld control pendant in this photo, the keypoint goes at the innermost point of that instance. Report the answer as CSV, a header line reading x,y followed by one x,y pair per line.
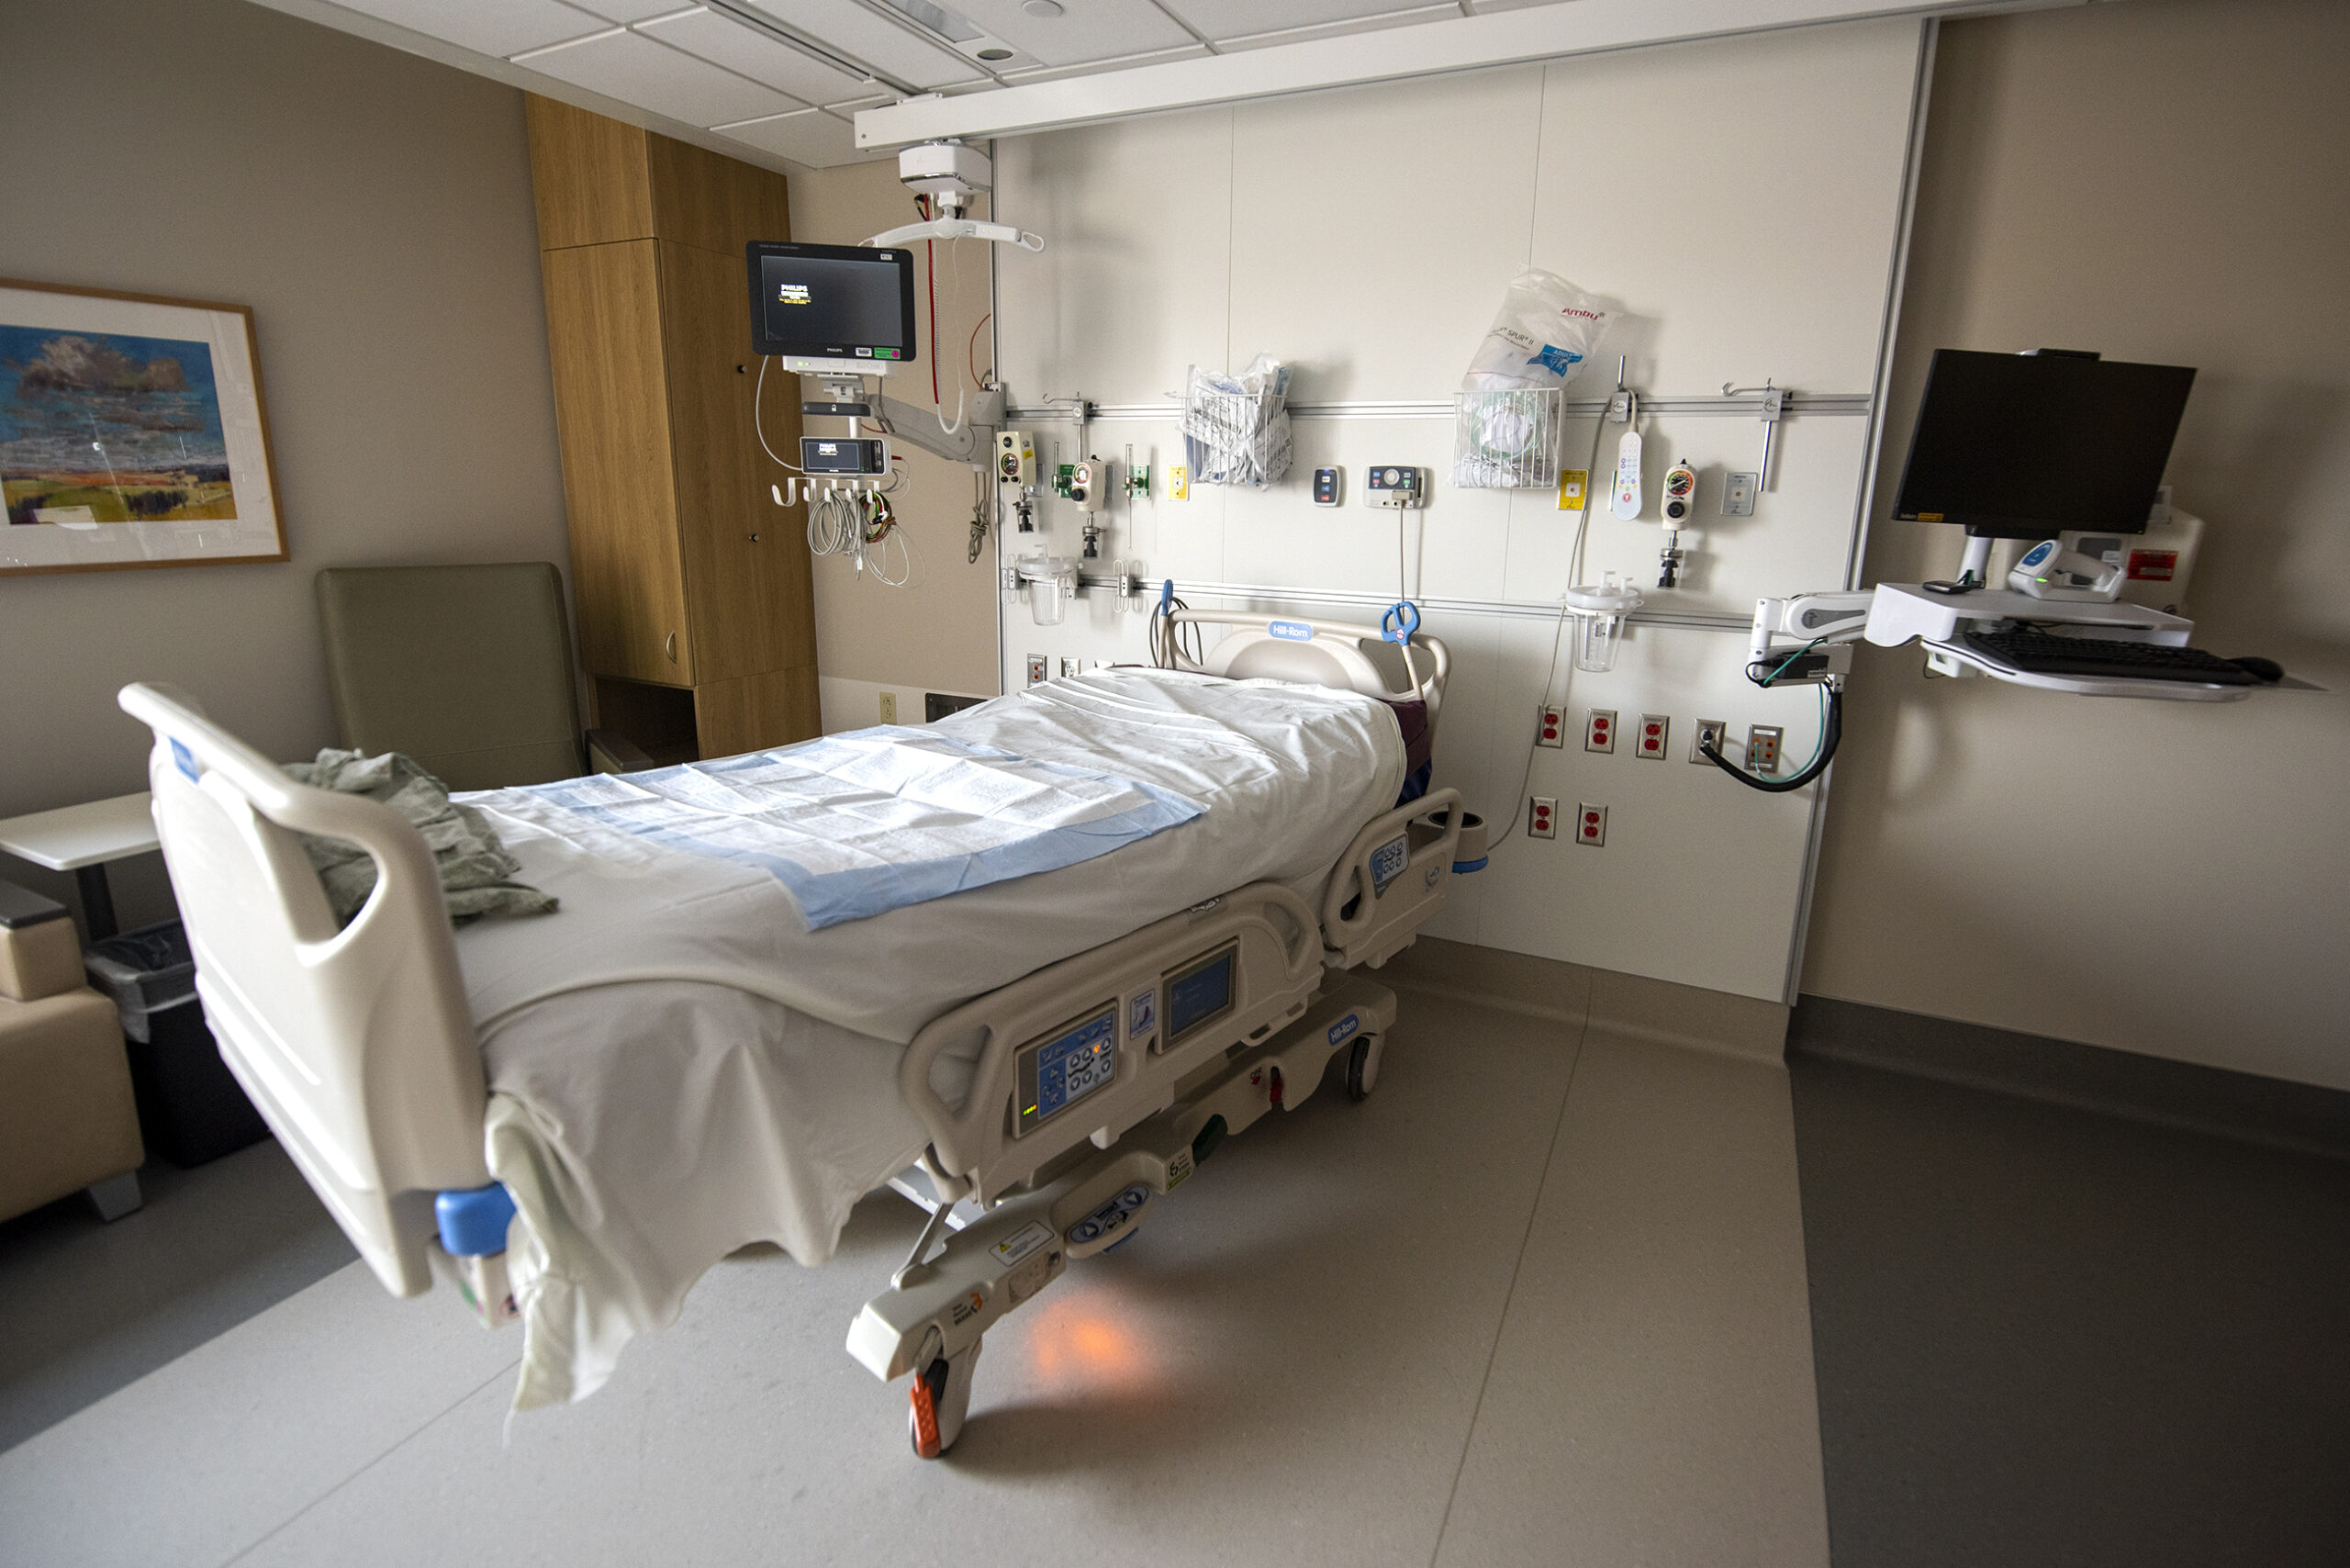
x,y
1625,500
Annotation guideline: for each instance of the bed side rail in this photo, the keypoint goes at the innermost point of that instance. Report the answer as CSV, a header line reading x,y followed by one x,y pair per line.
x,y
1145,1011
1391,880
356,1045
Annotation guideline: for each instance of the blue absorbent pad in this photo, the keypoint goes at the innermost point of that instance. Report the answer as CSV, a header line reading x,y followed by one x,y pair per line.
x,y
860,823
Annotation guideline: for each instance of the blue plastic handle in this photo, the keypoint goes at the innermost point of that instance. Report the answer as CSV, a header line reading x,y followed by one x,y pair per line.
x,y
473,1220
1401,623
1167,597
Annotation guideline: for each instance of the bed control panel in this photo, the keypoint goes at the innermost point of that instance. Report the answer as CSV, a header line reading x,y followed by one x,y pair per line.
x,y
1068,1065
1200,991
1111,1217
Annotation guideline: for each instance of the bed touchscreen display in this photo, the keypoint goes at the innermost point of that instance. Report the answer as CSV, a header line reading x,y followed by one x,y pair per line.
x,y
1056,1073
1199,993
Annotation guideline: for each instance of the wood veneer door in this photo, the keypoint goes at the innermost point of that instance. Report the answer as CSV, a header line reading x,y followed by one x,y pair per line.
x,y
757,712
746,569
604,342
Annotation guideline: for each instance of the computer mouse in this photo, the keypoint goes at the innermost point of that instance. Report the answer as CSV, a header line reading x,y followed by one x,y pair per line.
x,y
2268,670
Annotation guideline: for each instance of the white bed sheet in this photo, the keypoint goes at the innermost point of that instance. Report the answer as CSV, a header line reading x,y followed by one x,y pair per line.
x,y
649,1128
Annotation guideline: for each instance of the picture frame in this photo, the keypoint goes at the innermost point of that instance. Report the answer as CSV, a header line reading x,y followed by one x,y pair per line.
x,y
133,434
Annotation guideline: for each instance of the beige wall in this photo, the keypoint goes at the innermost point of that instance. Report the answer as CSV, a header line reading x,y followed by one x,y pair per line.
x,y
375,210
938,633
2167,180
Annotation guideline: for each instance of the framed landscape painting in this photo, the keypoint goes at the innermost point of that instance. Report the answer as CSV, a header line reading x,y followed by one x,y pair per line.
x,y
132,433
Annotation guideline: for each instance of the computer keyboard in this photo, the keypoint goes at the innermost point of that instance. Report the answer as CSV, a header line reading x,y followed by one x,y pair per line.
x,y
2041,653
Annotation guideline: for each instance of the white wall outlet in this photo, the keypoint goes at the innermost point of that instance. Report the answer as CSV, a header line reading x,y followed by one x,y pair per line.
x,y
1648,742
1036,669
1738,494
1590,825
1542,817
1763,747
1553,729
1711,733
889,707
1599,729
1072,667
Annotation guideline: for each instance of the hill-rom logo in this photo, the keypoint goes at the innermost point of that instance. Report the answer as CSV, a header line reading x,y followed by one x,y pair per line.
x,y
1290,631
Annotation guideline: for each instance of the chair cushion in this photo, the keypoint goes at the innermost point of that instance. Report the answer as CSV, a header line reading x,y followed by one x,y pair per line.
x,y
67,1117
467,670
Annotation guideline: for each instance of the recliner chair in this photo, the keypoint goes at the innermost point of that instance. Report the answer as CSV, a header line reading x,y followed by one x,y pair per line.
x,y
467,670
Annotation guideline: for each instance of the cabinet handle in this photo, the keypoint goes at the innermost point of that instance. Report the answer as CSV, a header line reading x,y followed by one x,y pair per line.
x,y
671,646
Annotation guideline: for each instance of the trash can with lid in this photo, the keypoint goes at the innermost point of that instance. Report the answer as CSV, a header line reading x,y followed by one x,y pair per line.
x,y
191,1107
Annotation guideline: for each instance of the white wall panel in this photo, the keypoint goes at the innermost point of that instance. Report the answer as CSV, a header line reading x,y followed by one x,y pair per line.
x,y
1136,283
1740,197
1366,237
1373,230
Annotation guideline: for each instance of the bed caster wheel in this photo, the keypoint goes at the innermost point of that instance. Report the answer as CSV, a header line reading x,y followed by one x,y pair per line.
x,y
1363,1068
942,1397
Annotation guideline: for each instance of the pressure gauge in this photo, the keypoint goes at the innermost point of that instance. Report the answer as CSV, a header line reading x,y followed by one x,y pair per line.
x,y
1680,494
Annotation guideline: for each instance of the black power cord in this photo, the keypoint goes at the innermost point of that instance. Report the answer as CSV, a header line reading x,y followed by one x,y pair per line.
x,y
1831,732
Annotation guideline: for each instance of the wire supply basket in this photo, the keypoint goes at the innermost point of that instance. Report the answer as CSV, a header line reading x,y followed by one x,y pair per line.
x,y
1507,438
1236,427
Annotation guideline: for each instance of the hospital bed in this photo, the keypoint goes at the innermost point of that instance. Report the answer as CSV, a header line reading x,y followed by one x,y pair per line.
x,y
1054,1110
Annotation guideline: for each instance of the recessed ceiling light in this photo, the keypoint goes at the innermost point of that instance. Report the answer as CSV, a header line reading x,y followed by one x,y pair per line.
x,y
995,54
1042,9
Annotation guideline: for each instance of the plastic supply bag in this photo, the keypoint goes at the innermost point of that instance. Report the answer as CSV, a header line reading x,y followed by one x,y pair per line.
x,y
1236,427
1542,337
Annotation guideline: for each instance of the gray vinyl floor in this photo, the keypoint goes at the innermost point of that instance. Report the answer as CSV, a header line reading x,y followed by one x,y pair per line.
x,y
1540,1299
1550,1296
2045,1336
86,1309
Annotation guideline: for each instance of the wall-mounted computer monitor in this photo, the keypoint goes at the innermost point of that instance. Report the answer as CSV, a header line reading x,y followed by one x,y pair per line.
x,y
834,307
2024,446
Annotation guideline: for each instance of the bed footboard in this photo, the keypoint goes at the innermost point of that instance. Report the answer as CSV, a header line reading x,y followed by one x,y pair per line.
x,y
356,1045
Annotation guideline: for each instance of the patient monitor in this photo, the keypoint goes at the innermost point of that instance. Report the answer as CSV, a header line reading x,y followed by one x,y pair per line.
x,y
832,309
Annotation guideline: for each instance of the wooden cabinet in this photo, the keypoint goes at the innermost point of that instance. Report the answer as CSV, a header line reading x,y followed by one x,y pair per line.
x,y
692,589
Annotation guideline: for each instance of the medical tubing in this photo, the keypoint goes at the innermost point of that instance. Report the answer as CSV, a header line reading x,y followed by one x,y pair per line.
x,y
1558,633
758,426
1831,732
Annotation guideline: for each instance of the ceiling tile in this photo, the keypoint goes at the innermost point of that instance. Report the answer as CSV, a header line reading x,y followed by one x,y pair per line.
x,y
884,45
1085,30
631,10
723,41
636,70
505,28
814,138
1221,20
1092,67
1383,21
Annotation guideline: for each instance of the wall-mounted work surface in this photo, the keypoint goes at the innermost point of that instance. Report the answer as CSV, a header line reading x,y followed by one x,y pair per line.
x,y
1739,203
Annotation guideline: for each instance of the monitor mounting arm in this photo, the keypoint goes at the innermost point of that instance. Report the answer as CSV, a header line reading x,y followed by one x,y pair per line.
x,y
1820,626
972,441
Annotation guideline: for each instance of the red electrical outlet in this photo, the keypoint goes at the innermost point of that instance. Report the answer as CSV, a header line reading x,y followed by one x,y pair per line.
x,y
1590,825
1599,729
1654,727
1542,817
1553,729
